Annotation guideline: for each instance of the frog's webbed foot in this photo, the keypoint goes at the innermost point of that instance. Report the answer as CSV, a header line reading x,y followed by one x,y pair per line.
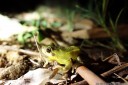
x,y
76,65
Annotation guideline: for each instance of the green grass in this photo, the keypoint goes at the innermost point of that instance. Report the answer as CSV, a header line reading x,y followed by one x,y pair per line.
x,y
97,11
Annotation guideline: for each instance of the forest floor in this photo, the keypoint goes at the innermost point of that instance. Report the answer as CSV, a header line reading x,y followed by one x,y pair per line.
x,y
20,60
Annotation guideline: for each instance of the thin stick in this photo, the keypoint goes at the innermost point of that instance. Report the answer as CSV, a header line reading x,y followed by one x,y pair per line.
x,y
115,69
121,78
28,52
40,52
83,82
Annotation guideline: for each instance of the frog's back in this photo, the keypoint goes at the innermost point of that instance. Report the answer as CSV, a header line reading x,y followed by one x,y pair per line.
x,y
69,52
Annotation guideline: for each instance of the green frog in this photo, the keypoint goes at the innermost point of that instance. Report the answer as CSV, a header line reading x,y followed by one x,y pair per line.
x,y
64,56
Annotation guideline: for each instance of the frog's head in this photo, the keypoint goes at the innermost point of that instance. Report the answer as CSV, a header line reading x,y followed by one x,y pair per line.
x,y
48,50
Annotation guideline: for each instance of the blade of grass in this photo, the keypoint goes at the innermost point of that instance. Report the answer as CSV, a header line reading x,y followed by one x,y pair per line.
x,y
104,7
112,25
118,16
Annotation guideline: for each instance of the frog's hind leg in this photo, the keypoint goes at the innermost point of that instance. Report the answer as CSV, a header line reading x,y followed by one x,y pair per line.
x,y
68,66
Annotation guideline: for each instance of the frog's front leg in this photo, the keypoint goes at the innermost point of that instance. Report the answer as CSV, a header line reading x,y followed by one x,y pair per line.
x,y
48,60
46,63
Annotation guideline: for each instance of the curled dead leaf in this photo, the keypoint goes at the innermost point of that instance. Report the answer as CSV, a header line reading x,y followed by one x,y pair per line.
x,y
15,71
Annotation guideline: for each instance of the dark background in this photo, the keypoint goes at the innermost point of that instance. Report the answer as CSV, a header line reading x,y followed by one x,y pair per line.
x,y
18,6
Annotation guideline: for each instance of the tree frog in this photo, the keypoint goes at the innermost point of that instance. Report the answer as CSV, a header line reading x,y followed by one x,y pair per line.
x,y
62,55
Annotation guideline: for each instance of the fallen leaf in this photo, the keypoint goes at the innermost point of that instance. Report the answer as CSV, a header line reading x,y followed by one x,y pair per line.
x,y
39,76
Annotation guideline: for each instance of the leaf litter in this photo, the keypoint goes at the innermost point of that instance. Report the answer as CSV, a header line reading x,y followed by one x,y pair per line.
x,y
23,66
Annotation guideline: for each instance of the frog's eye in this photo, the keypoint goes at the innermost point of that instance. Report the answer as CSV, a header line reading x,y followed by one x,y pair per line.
x,y
48,49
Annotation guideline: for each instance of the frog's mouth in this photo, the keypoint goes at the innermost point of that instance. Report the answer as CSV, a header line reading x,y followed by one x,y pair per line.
x,y
61,64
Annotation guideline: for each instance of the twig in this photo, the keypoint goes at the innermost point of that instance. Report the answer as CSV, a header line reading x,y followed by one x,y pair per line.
x,y
115,69
19,50
89,76
83,82
54,73
121,78
40,52
113,57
